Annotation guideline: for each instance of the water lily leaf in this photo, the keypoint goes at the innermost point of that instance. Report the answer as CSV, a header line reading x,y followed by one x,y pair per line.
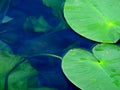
x,y
97,71
57,8
43,88
38,24
18,77
7,61
56,5
97,20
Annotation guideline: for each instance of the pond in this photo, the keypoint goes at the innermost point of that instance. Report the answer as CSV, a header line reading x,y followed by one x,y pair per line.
x,y
34,38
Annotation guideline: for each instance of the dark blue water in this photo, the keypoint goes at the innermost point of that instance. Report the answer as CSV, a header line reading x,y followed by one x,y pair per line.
x,y
22,34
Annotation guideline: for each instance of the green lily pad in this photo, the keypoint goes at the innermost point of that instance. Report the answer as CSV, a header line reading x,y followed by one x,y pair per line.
x,y
97,20
97,71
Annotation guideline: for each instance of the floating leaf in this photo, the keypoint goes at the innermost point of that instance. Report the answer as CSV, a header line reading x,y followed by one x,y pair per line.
x,y
97,71
97,20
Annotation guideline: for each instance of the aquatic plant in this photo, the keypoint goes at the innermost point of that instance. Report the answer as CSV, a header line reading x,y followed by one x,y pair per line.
x,y
35,35
93,19
98,70
12,75
32,40
97,20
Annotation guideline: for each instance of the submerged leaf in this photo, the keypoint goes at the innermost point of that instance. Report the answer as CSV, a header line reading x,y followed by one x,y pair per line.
x,y
97,20
43,88
20,76
14,72
4,6
57,10
38,25
4,47
6,19
56,5
7,62
97,71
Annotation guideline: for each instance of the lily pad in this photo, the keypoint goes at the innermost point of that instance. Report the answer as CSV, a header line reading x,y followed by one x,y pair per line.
x,y
97,71
96,20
